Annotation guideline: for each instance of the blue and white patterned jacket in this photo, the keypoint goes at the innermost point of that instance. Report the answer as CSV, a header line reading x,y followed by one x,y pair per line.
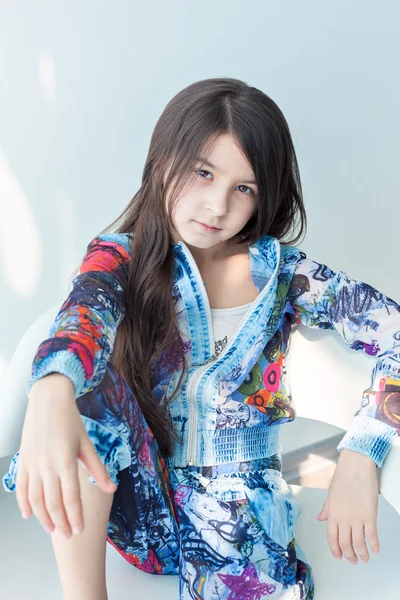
x,y
232,405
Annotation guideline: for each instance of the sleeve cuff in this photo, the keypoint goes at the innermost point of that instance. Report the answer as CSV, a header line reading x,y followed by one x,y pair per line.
x,y
64,362
370,437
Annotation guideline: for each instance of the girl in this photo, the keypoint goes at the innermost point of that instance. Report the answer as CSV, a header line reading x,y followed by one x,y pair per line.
x,y
163,376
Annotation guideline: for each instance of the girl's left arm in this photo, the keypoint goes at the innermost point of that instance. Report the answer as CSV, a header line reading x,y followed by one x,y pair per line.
x,y
367,320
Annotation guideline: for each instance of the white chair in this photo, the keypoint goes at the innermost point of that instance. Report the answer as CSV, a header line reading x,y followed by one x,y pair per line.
x,y
326,379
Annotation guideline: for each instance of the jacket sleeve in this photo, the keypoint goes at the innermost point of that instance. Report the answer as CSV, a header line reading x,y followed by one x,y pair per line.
x,y
82,335
367,320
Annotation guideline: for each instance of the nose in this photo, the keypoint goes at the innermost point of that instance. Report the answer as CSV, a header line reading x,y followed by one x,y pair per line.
x,y
217,202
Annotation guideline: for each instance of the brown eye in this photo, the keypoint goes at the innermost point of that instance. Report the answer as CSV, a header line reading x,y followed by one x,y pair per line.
x,y
208,172
202,171
246,186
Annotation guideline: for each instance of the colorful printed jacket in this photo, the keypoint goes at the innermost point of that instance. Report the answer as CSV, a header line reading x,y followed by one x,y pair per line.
x,y
232,405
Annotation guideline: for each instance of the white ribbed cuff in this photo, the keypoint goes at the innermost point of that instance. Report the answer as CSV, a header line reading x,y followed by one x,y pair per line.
x,y
369,436
64,362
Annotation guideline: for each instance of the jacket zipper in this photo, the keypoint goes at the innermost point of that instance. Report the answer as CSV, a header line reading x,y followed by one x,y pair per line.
x,y
192,426
192,385
194,381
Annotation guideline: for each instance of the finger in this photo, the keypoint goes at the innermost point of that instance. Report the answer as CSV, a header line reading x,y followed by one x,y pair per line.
x,y
323,513
70,490
95,467
332,537
48,524
56,507
36,500
54,504
21,492
346,543
371,534
359,544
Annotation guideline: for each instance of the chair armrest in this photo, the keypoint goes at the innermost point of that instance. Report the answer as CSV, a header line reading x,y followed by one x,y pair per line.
x,y
13,399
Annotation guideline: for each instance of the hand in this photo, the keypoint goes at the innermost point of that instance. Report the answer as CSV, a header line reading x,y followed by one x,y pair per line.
x,y
351,507
53,438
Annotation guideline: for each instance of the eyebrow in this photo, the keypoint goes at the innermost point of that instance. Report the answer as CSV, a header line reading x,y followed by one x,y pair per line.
x,y
209,164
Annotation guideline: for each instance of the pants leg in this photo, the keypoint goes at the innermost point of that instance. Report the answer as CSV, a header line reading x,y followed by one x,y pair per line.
x,y
237,536
142,525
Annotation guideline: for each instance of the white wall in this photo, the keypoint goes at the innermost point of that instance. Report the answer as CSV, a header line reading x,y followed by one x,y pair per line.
x,y
83,83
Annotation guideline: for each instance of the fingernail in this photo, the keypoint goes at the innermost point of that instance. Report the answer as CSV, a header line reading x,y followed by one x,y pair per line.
x,y
66,535
76,530
47,529
24,515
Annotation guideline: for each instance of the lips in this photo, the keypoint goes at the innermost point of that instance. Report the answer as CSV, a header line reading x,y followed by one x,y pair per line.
x,y
207,225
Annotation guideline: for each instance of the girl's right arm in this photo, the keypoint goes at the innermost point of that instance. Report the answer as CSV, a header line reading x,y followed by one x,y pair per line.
x,y
66,365
82,336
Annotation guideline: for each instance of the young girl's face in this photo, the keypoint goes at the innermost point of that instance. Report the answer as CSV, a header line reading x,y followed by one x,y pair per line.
x,y
223,195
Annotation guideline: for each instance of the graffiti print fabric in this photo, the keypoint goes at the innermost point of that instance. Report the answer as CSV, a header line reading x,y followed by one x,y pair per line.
x,y
226,525
227,530
247,390
366,320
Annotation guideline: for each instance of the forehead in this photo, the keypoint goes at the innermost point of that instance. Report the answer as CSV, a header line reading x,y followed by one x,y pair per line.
x,y
224,151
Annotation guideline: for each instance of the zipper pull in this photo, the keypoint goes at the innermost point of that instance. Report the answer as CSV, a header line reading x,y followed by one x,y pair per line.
x,y
212,357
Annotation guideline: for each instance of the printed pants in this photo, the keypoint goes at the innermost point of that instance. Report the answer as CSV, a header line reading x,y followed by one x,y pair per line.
x,y
227,530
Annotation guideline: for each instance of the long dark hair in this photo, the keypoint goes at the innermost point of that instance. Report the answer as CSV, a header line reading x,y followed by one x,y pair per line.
x,y
187,128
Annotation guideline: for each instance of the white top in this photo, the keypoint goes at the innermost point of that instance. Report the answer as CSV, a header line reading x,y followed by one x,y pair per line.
x,y
225,321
